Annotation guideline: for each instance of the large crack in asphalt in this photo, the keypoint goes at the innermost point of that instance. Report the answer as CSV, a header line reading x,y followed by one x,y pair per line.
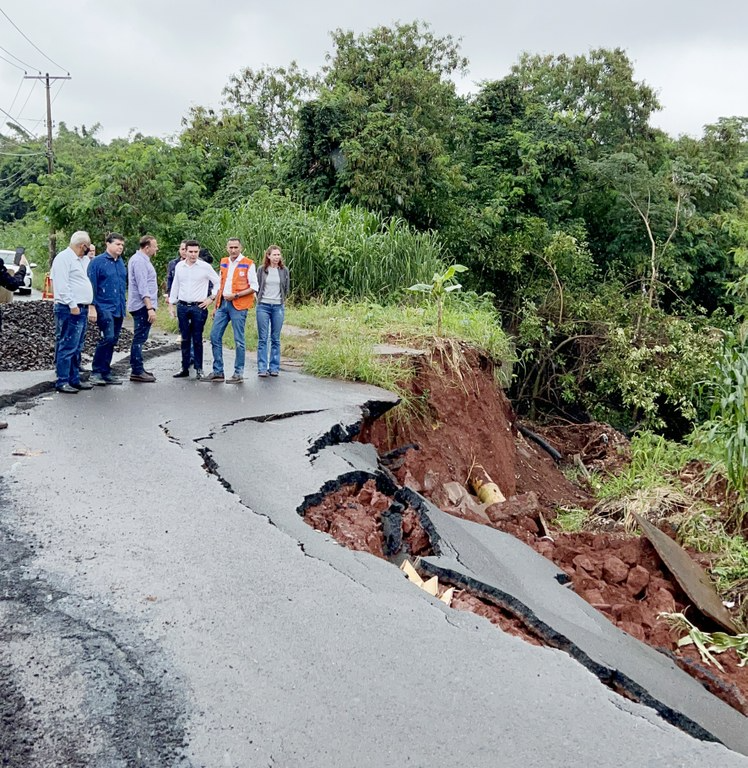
x,y
629,686
212,468
74,692
452,562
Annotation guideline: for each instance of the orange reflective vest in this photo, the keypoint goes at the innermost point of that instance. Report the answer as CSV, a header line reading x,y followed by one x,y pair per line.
x,y
240,282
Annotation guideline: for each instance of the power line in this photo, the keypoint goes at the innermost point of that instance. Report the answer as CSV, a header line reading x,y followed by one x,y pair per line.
x,y
12,63
7,114
28,66
36,47
20,182
16,177
13,103
20,111
21,154
57,93
28,119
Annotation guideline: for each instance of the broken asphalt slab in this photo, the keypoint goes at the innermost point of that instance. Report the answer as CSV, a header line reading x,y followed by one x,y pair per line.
x,y
162,520
484,559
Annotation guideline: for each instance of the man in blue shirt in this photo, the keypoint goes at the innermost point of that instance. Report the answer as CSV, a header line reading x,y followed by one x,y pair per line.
x,y
108,276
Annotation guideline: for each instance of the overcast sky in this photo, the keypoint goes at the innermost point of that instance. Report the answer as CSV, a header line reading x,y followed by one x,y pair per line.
x,y
140,64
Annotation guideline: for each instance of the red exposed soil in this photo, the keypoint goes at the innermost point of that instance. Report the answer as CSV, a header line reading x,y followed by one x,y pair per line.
x,y
352,515
469,420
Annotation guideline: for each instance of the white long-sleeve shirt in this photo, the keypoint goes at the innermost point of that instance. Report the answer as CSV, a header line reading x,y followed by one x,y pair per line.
x,y
70,279
191,281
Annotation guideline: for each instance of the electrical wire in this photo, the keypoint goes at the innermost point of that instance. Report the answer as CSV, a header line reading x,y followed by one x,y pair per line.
x,y
28,66
16,122
7,114
8,180
12,103
21,154
12,63
20,111
19,182
59,88
36,47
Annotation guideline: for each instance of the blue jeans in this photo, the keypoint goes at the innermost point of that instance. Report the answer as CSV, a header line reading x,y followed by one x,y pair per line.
x,y
110,328
70,332
191,323
269,318
141,329
225,314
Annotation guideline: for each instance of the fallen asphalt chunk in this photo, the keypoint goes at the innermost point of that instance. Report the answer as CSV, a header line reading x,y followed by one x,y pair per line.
x,y
495,563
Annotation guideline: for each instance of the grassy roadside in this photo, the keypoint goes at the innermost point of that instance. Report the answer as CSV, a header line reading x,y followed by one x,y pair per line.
x,y
338,339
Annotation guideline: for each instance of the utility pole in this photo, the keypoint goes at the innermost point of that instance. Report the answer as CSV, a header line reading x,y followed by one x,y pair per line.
x,y
50,162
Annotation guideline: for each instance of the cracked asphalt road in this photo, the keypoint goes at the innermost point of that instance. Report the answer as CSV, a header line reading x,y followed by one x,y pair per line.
x,y
164,605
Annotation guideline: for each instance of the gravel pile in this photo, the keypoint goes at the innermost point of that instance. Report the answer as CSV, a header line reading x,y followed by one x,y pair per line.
x,y
27,341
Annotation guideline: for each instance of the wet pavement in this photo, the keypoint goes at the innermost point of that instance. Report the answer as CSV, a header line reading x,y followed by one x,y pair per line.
x,y
166,605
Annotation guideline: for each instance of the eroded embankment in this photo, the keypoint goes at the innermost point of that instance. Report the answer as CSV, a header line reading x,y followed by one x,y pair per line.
x,y
468,420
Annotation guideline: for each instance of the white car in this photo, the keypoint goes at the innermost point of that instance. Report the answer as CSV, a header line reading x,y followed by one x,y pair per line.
x,y
12,260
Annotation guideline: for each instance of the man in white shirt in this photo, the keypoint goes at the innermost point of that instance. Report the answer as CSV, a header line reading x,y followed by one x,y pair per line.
x,y
190,294
73,295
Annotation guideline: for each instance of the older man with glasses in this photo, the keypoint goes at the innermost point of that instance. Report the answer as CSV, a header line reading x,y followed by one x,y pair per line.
x,y
73,296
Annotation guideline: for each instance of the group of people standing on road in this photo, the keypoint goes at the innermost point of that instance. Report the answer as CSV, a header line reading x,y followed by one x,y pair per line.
x,y
102,290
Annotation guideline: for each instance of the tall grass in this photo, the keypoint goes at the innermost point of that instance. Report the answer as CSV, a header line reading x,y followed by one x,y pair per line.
x,y
655,463
332,252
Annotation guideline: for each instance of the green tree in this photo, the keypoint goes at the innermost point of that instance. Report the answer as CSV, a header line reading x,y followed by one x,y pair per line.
x,y
382,130
596,93
657,203
226,141
132,186
522,171
269,100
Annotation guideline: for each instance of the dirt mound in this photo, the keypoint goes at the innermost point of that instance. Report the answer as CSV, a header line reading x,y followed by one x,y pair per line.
x,y
467,420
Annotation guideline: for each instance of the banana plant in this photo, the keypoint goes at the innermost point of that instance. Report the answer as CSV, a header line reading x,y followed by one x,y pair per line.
x,y
439,288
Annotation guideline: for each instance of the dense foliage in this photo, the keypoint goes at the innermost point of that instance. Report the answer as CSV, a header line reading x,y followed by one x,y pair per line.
x,y
614,253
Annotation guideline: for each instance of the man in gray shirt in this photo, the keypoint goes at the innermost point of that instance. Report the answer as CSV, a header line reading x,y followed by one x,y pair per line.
x,y
142,300
73,295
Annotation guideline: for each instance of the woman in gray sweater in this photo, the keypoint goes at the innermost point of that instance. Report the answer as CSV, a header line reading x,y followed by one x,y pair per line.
x,y
274,284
